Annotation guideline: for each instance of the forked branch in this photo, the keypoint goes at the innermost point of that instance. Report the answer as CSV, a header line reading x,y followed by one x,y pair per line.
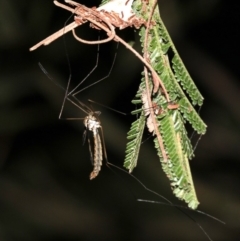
x,y
100,18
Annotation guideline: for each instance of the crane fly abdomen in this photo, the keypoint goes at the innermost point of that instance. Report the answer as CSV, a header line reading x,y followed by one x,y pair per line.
x,y
92,124
98,155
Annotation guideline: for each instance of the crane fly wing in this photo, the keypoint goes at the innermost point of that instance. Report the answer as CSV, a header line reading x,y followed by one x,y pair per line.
x,y
90,150
84,136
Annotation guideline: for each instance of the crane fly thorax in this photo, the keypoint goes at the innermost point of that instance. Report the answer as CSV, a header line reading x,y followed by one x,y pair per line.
x,y
92,123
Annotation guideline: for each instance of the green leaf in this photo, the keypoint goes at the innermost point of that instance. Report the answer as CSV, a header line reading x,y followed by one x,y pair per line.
x,y
171,110
133,146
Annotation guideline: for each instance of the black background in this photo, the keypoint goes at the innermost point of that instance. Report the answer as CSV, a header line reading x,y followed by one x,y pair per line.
x,y
45,192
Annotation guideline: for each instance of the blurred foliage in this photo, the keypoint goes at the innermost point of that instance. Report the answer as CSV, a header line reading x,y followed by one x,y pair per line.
x,y
45,193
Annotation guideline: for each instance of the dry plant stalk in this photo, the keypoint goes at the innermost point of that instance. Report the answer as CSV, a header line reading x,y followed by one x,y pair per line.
x,y
107,17
104,14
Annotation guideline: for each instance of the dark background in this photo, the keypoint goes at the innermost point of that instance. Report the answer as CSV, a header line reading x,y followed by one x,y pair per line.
x,y
45,192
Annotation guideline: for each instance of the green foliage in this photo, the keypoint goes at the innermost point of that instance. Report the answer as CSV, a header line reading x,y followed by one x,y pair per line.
x,y
104,2
170,136
133,146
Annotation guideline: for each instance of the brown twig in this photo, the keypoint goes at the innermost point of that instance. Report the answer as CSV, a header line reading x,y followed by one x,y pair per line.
x,y
144,61
85,14
159,137
55,36
111,36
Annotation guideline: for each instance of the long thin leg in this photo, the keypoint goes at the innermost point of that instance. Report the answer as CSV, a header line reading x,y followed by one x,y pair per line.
x,y
83,80
81,105
75,92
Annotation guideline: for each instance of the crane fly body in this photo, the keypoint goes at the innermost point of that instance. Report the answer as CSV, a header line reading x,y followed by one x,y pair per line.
x,y
92,123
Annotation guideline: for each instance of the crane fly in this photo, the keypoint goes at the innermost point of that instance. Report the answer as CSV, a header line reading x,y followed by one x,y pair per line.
x,y
92,124
91,121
